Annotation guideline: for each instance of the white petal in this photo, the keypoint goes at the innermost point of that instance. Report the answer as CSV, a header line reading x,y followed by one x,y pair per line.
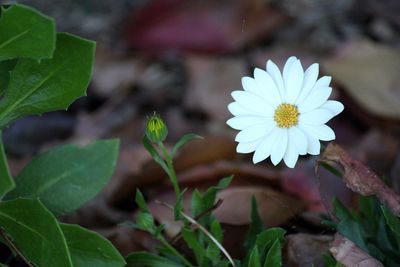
x,y
242,122
287,67
250,85
253,102
316,117
276,75
322,132
298,139
313,144
248,147
315,99
293,82
291,155
323,82
279,147
268,87
310,78
264,150
238,110
254,132
333,106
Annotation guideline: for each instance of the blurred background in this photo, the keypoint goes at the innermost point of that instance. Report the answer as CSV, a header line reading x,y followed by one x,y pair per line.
x,y
182,59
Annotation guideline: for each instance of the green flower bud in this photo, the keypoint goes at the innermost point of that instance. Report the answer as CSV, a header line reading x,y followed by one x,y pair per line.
x,y
156,130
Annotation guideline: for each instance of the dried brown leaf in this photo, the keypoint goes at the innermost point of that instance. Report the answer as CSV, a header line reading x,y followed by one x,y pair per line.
x,y
359,178
348,254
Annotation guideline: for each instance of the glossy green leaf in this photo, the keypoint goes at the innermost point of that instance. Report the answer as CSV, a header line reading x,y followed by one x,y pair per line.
x,y
5,70
35,232
51,84
182,141
146,259
254,259
6,181
25,32
66,177
88,248
274,255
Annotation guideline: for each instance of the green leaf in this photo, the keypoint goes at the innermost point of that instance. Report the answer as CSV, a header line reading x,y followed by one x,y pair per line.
x,y
154,154
146,259
274,255
66,177
256,225
392,221
254,259
25,32
51,84
191,240
3,265
35,232
88,248
267,238
6,181
139,199
182,141
5,69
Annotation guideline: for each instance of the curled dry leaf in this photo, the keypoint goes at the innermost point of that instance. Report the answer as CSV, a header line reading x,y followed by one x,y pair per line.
x,y
359,178
348,254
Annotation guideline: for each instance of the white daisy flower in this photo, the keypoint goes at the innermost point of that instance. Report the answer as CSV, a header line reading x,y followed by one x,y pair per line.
x,y
283,116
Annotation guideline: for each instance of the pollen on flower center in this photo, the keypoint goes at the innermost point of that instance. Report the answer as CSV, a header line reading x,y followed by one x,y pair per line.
x,y
286,115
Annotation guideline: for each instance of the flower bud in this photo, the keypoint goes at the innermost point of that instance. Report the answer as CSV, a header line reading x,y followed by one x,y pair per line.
x,y
156,130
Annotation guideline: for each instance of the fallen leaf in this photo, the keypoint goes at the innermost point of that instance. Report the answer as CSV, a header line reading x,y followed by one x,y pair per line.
x,y
369,74
206,26
304,250
348,254
274,207
359,178
211,81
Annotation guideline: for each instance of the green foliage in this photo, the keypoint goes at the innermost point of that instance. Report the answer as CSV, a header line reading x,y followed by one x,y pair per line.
x,y
182,141
34,87
6,181
35,232
146,259
373,228
88,248
31,35
43,71
75,173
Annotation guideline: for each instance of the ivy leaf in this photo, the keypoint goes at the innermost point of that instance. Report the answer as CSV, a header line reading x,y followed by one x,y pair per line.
x,y
27,33
88,248
6,181
66,177
145,259
51,84
35,232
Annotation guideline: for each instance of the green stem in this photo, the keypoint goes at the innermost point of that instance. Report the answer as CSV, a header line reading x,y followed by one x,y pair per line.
x,y
171,173
174,251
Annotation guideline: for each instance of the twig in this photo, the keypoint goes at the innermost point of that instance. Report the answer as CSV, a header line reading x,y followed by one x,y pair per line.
x,y
14,248
205,231
215,206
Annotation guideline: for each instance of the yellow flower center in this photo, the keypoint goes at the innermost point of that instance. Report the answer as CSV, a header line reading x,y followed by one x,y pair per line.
x,y
286,115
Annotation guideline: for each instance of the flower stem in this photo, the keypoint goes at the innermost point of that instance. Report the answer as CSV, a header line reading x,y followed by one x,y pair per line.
x,y
174,251
171,173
